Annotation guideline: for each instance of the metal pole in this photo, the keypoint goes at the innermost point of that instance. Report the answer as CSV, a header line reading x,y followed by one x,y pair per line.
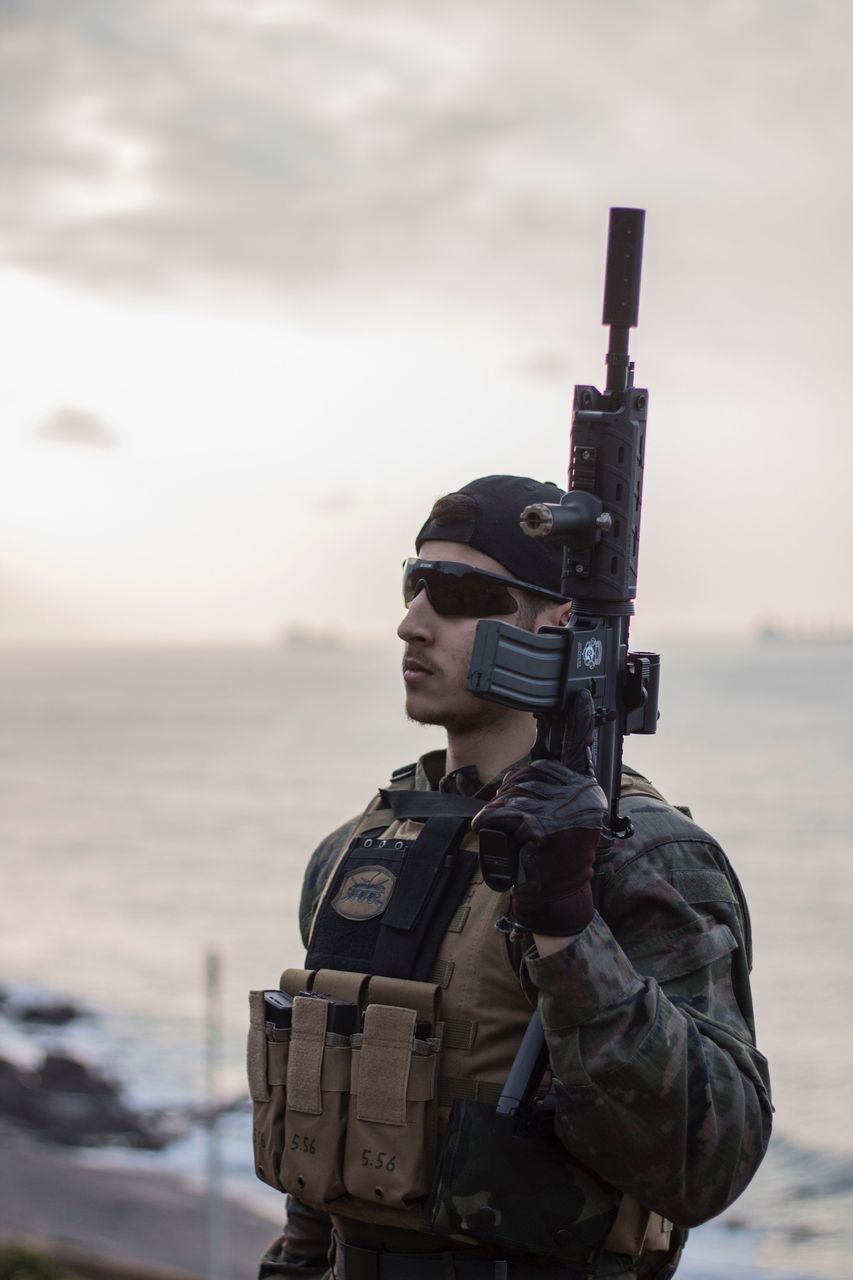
x,y
217,1264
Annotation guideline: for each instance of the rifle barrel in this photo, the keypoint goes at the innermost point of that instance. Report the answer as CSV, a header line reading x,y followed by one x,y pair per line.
x,y
622,290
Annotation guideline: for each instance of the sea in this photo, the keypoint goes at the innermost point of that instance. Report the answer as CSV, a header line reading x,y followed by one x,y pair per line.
x,y
157,806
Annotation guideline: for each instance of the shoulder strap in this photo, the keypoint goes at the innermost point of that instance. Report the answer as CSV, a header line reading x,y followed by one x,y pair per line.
x,y
378,813
634,784
420,805
382,809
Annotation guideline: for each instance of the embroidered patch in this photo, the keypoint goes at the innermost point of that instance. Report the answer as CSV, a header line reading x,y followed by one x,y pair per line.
x,y
365,893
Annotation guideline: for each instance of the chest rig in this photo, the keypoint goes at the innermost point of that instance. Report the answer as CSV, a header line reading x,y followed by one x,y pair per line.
x,y
405,931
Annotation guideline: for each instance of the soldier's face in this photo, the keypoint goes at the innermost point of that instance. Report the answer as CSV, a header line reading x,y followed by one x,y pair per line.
x,y
438,652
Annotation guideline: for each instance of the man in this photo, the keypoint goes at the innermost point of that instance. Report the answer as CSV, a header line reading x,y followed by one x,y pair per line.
x,y
638,961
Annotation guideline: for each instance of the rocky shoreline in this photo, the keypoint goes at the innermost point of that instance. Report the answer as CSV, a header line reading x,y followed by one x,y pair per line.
x,y
64,1099
61,1192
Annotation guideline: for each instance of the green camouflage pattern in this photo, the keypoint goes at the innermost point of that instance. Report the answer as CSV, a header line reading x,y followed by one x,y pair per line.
x,y
486,1161
647,1014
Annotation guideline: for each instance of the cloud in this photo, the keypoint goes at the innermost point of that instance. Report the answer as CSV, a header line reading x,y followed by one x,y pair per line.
x,y
397,147
76,426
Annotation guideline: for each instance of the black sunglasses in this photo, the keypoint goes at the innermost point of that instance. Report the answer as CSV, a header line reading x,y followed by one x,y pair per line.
x,y
460,591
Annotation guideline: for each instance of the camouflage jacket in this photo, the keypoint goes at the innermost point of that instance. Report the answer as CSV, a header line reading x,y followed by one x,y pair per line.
x,y
647,1011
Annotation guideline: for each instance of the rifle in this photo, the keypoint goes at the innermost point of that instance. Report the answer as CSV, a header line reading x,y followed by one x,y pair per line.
x,y
488,1152
598,522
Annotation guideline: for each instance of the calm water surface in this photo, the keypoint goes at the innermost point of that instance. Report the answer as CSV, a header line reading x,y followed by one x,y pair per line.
x,y
153,804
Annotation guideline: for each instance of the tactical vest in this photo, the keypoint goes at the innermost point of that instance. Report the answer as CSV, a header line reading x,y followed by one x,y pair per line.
x,y
405,929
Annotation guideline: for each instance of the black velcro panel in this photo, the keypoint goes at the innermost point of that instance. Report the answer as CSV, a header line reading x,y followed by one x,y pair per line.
x,y
340,943
425,898
423,863
411,953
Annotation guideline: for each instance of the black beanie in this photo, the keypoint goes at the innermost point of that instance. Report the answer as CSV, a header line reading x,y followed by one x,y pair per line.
x,y
494,528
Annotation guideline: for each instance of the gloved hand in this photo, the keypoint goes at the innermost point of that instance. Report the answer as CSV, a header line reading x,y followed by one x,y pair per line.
x,y
555,816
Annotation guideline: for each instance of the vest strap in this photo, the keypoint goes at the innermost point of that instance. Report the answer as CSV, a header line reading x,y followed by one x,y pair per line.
x,y
442,972
423,864
457,924
457,1033
375,820
417,806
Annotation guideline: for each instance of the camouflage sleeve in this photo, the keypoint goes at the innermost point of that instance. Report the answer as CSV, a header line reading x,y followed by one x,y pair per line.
x,y
302,1248
317,872
649,1025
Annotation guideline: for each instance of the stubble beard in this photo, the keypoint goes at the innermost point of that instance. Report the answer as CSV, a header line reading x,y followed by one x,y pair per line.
x,y
473,715
465,714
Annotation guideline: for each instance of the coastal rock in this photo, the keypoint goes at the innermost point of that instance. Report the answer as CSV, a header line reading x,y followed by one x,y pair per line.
x,y
13,1091
51,1087
60,1073
70,1103
57,1014
37,1010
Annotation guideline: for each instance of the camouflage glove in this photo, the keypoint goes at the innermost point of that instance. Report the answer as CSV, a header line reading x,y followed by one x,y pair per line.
x,y
555,816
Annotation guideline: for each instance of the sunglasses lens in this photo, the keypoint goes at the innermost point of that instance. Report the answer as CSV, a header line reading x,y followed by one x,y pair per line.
x,y
457,592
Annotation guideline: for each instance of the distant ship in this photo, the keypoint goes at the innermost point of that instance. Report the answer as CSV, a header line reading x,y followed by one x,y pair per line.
x,y
770,632
299,637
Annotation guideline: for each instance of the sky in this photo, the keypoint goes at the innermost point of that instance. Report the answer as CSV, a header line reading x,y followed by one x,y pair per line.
x,y
275,275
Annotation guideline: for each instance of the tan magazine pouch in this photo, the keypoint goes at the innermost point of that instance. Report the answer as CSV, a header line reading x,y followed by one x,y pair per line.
x,y
266,1060
318,1081
390,1140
